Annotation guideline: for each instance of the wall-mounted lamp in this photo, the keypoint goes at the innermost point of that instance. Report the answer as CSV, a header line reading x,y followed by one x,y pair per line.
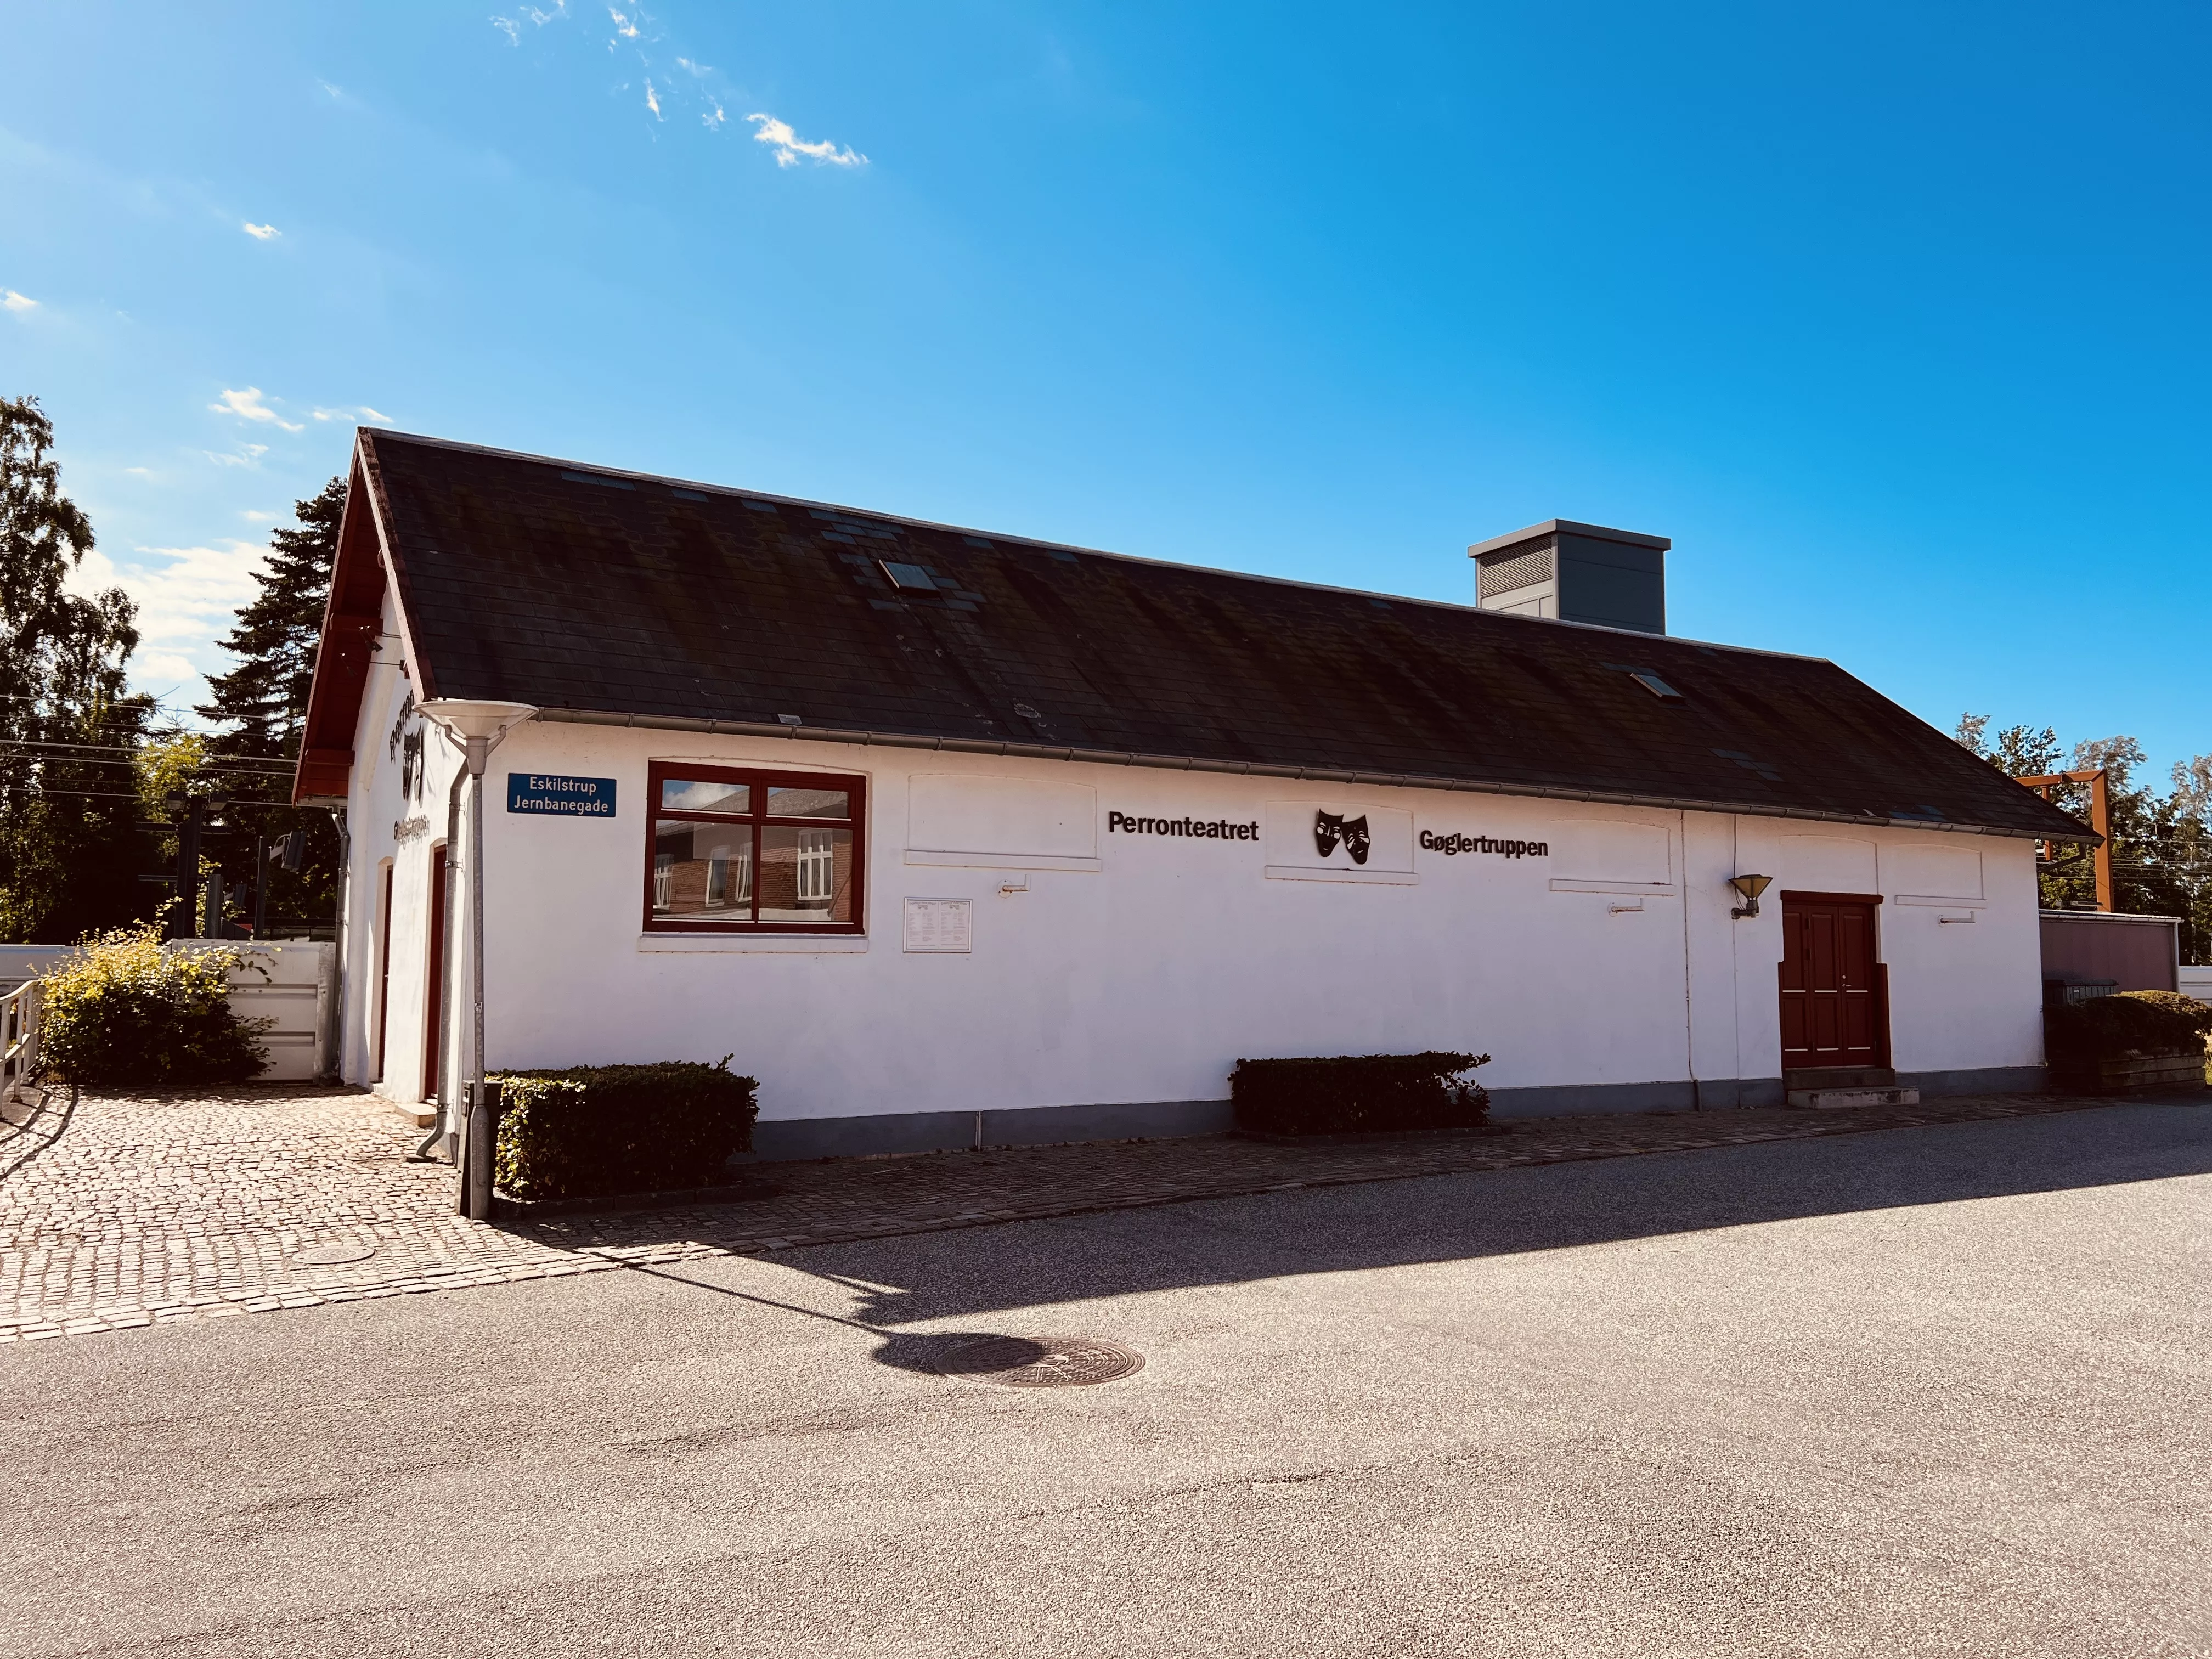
x,y
1751,887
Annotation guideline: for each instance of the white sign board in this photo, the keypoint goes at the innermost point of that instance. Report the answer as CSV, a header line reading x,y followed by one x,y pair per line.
x,y
1026,823
940,925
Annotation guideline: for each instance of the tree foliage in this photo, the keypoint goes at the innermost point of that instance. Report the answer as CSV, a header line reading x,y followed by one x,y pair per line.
x,y
69,849
259,710
2161,840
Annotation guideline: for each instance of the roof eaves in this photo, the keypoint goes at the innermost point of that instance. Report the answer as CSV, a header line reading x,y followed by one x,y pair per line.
x,y
1308,773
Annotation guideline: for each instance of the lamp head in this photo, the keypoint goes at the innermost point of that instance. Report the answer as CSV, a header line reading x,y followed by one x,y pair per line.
x,y
476,723
463,717
1751,887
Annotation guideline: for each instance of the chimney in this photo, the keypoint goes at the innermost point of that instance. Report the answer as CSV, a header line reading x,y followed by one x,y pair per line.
x,y
1580,573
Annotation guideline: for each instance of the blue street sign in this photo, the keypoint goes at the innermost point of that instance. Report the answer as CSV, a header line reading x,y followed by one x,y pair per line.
x,y
574,797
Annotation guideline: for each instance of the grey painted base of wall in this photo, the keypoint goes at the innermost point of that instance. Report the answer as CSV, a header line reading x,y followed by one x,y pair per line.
x,y
1982,1080
781,1140
1574,1099
786,1139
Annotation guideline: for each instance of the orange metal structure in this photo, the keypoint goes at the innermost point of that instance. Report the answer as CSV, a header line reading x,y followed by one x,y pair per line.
x,y
2101,820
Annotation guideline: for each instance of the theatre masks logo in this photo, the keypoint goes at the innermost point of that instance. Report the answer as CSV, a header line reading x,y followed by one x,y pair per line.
x,y
1351,841
1332,828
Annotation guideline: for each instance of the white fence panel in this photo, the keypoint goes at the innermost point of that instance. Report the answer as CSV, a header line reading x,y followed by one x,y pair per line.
x,y
295,985
289,982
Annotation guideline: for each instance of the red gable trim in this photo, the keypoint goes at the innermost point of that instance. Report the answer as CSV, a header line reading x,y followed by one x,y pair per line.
x,y
351,620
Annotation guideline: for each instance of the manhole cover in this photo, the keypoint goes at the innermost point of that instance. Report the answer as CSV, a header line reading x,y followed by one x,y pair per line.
x,y
332,1255
1043,1362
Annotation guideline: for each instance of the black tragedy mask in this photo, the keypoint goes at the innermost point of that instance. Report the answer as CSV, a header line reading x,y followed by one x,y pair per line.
x,y
1329,828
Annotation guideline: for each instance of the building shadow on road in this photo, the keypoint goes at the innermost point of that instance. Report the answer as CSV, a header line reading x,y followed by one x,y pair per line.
x,y
981,1273
968,1273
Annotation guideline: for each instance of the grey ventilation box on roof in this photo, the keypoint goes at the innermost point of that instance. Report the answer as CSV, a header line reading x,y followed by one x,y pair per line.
x,y
1575,573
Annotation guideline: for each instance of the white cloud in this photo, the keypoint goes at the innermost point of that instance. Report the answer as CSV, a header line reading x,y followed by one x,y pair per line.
x,y
261,232
246,455
254,517
14,302
248,406
652,101
624,29
361,414
186,595
716,117
139,471
789,146
512,27
166,666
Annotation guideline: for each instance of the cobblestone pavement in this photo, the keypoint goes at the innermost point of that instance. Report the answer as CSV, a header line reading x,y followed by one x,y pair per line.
x,y
124,1212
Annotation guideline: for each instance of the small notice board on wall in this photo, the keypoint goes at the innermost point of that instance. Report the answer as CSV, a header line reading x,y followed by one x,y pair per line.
x,y
940,925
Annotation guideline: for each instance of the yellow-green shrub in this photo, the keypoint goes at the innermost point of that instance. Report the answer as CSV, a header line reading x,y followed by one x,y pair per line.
x,y
122,1012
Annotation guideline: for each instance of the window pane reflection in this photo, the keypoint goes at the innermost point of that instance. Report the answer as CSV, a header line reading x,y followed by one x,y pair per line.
x,y
702,871
805,875
787,803
704,795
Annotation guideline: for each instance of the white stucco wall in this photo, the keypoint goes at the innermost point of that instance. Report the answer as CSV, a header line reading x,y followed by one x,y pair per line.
x,y
1145,979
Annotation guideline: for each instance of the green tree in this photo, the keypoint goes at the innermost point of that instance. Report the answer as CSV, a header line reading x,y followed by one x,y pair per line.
x,y
2162,843
259,708
69,849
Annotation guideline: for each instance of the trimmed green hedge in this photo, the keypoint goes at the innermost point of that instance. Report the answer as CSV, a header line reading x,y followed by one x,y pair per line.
x,y
1355,1094
121,1012
592,1130
2131,1022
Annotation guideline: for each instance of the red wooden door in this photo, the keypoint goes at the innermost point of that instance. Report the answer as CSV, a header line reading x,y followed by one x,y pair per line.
x,y
1833,1007
435,981
384,966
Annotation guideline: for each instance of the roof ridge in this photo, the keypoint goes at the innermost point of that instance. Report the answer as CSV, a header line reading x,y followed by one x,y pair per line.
x,y
675,483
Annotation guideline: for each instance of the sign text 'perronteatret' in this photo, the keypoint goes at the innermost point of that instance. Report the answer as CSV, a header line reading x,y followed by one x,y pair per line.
x,y
1209,829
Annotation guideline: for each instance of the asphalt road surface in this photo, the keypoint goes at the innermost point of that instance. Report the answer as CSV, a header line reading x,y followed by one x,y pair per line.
x,y
1932,1391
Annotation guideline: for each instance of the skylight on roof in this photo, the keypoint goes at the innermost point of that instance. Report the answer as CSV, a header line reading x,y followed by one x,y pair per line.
x,y
907,575
1657,687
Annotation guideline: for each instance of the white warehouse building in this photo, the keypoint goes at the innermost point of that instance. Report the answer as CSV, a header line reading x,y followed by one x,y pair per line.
x,y
954,839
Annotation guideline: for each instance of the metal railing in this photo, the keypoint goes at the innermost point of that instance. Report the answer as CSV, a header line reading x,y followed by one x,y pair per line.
x,y
19,1037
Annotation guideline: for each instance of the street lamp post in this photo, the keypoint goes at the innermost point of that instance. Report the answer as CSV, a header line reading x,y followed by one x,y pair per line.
x,y
476,726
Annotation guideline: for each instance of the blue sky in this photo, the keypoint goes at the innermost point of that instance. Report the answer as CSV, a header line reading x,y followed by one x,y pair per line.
x,y
1892,316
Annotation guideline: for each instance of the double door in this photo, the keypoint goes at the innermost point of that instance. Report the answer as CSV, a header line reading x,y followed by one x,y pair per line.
x,y
1835,994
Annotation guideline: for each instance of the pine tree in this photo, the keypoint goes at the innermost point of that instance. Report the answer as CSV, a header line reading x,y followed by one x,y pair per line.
x,y
263,702
259,710
68,845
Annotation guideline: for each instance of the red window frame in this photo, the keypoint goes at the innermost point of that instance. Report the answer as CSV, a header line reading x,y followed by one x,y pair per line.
x,y
760,780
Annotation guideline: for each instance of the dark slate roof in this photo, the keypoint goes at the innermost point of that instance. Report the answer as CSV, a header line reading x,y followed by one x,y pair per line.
x,y
578,589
